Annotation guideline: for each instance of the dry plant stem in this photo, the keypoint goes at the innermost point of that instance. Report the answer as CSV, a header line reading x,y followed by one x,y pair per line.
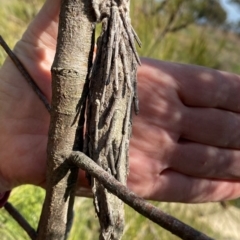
x,y
69,73
20,220
109,109
168,222
25,74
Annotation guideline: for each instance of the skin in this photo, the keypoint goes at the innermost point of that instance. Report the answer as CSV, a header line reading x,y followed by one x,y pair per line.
x,y
186,140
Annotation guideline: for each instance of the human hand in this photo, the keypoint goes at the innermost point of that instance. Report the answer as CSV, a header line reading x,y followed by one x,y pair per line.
x,y
24,121
183,138
186,140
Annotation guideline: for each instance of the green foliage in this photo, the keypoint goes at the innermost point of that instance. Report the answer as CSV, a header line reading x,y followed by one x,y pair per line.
x,y
24,10
28,201
210,11
235,203
237,2
179,38
15,16
161,25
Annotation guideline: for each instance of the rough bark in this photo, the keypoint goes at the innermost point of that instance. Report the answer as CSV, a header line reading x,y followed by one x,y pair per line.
x,y
69,74
112,89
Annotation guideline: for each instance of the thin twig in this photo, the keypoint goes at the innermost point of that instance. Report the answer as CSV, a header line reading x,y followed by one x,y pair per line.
x,y
135,96
112,30
130,35
126,67
168,222
125,139
136,37
25,73
20,220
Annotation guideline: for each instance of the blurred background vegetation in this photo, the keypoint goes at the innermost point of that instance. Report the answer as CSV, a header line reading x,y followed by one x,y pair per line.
x,y
187,31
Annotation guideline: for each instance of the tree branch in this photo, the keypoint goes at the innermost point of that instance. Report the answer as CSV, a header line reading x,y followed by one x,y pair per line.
x,y
167,27
180,26
168,222
20,220
112,90
69,73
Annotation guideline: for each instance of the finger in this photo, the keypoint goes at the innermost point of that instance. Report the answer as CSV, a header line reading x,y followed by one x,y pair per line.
x,y
211,126
203,87
37,47
200,86
175,187
158,180
44,28
204,161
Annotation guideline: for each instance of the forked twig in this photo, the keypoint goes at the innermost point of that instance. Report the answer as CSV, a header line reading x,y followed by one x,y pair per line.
x,y
20,220
25,73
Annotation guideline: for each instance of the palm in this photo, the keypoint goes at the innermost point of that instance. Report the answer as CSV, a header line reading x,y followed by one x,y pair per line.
x,y
185,146
155,130
24,120
24,127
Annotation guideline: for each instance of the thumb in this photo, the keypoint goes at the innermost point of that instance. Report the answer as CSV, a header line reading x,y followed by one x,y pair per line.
x,y
37,47
42,32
